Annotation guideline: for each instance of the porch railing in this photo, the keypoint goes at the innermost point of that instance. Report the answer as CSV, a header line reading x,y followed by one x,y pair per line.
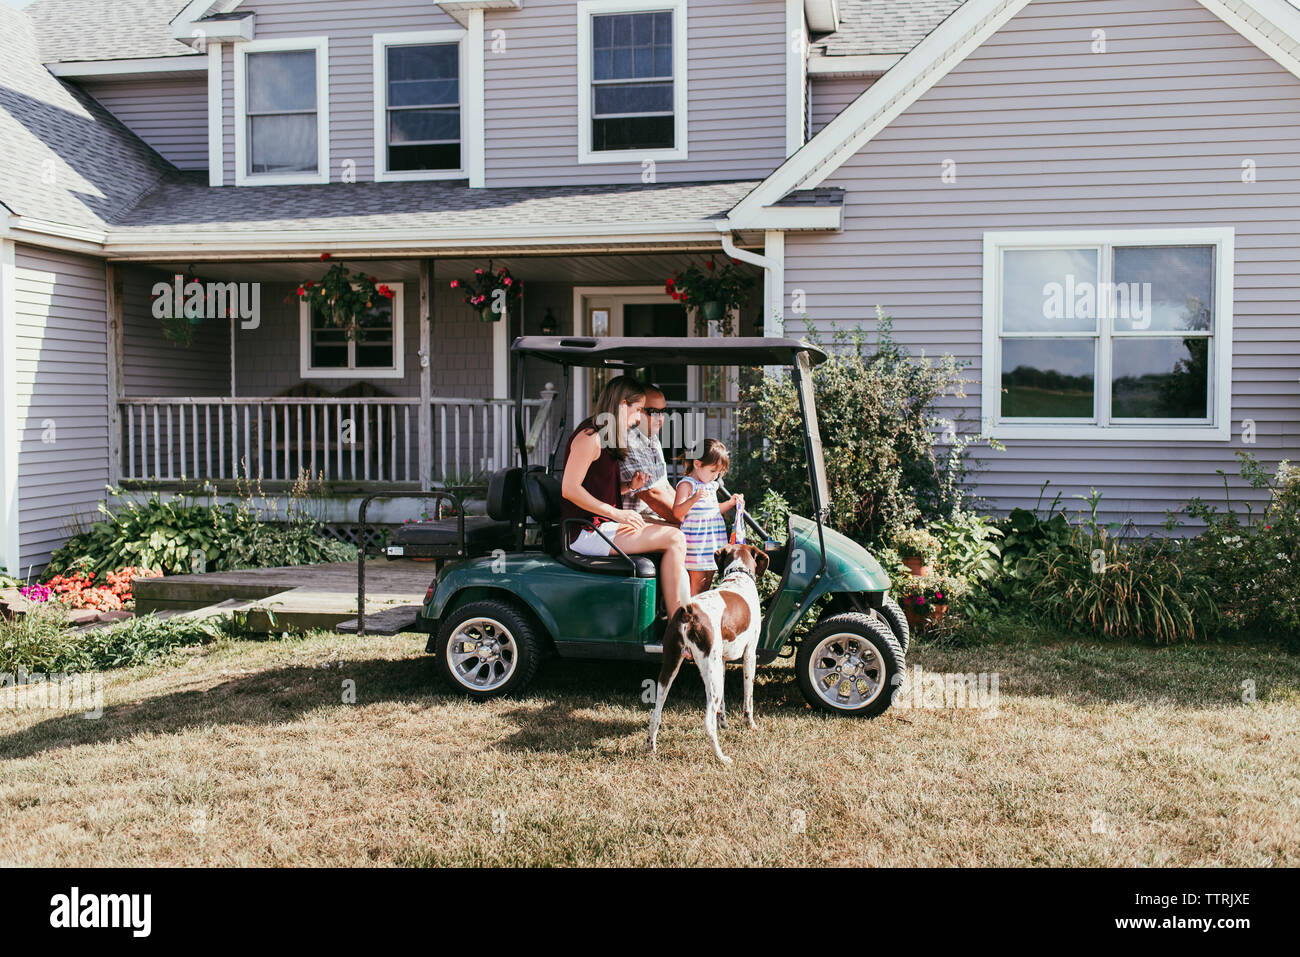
x,y
341,439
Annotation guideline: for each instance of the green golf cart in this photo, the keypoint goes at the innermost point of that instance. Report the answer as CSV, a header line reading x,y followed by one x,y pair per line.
x,y
508,589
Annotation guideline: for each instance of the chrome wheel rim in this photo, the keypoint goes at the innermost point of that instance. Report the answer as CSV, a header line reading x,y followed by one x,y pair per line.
x,y
848,671
482,654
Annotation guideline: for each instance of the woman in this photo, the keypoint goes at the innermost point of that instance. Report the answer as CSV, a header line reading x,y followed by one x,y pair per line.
x,y
592,490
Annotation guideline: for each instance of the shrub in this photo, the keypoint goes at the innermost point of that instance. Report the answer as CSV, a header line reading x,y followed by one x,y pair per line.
x,y
1097,584
1250,566
167,534
877,415
919,593
41,641
968,546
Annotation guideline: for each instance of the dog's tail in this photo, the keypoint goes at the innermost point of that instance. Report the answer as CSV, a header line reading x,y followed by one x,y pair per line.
x,y
688,623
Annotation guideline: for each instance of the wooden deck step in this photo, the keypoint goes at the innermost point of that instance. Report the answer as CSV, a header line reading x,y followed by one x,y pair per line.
x,y
390,621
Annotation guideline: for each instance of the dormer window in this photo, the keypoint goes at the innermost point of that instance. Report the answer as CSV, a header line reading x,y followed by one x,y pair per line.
x,y
282,112
419,119
631,81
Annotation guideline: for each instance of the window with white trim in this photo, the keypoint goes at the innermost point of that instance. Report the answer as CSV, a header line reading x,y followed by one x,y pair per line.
x,y
419,111
375,353
632,80
1126,334
282,112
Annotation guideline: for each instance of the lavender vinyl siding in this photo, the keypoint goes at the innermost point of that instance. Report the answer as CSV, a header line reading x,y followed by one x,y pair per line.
x,y
170,114
831,94
62,370
1048,135
736,89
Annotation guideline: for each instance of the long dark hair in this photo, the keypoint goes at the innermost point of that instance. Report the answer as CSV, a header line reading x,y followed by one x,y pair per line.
x,y
606,408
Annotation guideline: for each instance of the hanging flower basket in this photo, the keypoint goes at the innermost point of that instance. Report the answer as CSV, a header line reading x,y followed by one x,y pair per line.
x,y
344,298
491,294
182,307
713,291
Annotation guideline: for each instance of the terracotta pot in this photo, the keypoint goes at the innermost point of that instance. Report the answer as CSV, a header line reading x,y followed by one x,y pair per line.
x,y
921,622
917,569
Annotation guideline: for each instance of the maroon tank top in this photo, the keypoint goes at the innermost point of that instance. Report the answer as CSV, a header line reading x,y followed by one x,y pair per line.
x,y
601,481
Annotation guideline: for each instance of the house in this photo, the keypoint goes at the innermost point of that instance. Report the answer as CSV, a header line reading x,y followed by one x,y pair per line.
x,y
1094,202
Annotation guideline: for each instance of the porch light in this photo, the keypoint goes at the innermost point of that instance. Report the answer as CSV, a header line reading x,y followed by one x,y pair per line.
x,y
549,323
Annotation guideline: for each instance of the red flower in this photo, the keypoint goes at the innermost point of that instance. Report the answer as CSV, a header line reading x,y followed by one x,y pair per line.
x,y
709,264
677,295
301,291
324,256
385,292
508,281
455,284
309,283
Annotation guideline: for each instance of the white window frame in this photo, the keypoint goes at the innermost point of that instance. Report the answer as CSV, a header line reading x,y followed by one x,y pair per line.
x,y
1218,427
590,8
382,41
396,371
322,175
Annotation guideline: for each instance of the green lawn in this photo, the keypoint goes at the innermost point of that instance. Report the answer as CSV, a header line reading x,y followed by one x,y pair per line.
x,y
245,753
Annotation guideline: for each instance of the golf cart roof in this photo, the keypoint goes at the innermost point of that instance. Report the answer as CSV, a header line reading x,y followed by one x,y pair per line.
x,y
635,353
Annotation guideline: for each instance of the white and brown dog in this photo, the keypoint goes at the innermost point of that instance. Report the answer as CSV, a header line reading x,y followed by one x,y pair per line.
x,y
718,626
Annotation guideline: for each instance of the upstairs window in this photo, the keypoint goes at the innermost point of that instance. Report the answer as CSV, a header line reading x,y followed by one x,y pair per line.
x,y
632,81
419,131
282,125
1123,334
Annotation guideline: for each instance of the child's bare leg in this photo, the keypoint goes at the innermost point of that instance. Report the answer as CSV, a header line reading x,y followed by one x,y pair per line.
x,y
700,581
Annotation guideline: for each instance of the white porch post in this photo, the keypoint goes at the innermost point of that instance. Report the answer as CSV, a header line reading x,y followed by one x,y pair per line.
x,y
501,357
9,426
425,418
474,104
113,286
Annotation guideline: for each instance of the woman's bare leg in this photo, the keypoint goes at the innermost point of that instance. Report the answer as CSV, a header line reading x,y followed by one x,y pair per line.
x,y
672,568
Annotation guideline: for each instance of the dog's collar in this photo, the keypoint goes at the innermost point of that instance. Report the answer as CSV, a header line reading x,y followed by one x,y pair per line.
x,y
737,567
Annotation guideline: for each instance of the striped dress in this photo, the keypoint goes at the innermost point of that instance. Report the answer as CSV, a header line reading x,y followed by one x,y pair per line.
x,y
703,527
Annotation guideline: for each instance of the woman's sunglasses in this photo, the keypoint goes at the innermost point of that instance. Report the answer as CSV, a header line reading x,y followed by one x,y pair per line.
x,y
654,411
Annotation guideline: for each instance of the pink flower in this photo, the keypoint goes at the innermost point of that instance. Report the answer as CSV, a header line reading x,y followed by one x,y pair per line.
x,y
508,281
478,272
455,284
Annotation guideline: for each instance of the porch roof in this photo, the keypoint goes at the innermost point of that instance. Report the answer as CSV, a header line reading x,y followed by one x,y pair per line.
x,y
412,213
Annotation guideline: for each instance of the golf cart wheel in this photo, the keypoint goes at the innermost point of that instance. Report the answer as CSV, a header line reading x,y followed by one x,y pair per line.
x,y
896,620
850,664
488,649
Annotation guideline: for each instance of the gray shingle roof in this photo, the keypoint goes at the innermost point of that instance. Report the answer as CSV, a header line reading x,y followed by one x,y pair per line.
x,y
884,26
63,157
73,30
185,205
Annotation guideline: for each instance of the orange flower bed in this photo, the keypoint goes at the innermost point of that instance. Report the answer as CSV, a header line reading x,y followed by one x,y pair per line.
x,y
79,589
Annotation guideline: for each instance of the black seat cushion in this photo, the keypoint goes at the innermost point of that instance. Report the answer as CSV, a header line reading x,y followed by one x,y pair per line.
x,y
614,564
438,539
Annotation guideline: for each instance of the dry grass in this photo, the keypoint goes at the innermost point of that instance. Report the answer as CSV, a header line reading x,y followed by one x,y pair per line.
x,y
244,753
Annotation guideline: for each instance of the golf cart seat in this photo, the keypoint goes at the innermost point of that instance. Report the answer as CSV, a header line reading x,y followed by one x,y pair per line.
x,y
543,499
483,533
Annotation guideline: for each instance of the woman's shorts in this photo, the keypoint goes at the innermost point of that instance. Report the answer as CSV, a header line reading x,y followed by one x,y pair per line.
x,y
594,543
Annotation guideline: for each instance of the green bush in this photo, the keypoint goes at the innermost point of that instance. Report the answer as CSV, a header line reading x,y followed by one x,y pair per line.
x,y
1251,565
877,413
42,641
166,534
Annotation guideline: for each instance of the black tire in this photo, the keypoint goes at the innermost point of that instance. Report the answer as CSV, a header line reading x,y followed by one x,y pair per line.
x,y
513,649
884,659
897,622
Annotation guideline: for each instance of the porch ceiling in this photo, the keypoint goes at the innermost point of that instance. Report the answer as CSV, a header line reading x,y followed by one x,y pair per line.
x,y
613,269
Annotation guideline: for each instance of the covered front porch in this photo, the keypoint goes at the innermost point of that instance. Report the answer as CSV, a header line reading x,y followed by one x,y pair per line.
x,y
424,398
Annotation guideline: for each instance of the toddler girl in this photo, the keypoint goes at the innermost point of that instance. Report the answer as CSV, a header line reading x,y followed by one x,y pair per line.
x,y
698,510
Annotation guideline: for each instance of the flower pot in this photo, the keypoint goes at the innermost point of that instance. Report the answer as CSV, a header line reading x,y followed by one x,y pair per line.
x,y
712,311
922,621
917,567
